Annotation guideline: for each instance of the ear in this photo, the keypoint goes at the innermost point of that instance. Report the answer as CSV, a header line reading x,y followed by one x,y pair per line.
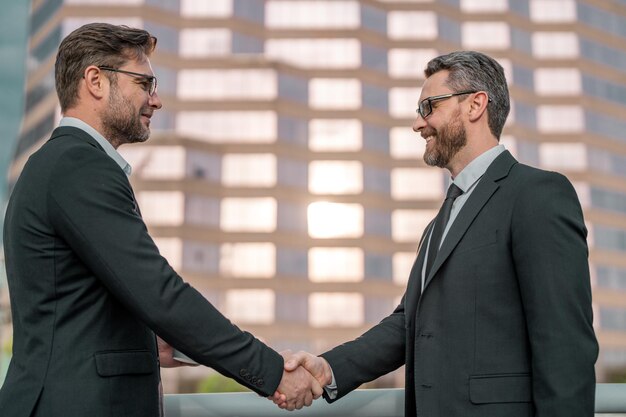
x,y
478,105
96,83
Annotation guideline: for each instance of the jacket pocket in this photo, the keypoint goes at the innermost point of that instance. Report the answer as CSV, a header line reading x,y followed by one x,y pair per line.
x,y
502,388
136,362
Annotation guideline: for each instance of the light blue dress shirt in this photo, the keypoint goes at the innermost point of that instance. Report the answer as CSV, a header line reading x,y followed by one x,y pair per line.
x,y
106,145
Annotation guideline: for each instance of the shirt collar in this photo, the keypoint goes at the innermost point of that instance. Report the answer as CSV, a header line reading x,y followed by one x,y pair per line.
x,y
477,168
106,145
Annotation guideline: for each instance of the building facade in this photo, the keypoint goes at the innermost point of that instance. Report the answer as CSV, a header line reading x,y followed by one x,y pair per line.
x,y
283,179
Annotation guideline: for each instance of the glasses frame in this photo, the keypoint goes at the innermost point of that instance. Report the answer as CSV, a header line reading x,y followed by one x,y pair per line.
x,y
150,78
429,101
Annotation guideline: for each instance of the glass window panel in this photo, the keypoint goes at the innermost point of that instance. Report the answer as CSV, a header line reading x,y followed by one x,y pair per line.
x,y
316,53
250,306
402,263
255,84
204,8
480,6
558,81
248,214
570,156
248,260
556,45
335,177
408,225
403,101
406,144
492,35
228,126
335,135
416,183
312,14
334,93
336,264
162,208
171,248
200,43
202,210
560,119
333,309
412,25
107,2
334,220
156,162
409,63
249,170
553,11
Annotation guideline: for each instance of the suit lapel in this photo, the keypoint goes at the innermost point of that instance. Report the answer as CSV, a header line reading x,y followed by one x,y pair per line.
x,y
477,200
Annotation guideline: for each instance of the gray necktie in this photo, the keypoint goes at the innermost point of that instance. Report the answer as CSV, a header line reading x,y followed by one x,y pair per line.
x,y
440,225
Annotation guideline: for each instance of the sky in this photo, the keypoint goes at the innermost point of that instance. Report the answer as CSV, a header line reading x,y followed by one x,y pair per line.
x,y
13,37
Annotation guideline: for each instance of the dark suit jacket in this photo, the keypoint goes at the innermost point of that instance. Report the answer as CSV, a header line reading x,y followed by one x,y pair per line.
x,y
503,327
88,288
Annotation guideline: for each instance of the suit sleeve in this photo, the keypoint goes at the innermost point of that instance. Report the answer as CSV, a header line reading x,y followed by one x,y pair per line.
x,y
550,253
91,205
377,352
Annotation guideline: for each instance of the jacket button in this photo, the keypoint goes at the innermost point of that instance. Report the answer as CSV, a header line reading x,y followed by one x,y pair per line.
x,y
243,372
260,382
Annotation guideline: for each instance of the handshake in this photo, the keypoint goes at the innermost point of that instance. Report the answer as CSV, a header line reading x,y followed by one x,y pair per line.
x,y
304,378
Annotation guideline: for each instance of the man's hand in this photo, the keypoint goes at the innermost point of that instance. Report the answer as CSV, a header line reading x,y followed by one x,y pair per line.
x,y
317,368
297,389
166,355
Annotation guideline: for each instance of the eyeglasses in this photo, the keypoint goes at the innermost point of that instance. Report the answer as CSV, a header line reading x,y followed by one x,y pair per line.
x,y
425,107
150,81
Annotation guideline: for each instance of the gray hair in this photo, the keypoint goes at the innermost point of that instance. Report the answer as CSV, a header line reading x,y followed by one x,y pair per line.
x,y
471,70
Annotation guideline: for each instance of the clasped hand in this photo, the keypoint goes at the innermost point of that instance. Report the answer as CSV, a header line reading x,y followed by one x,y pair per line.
x,y
303,378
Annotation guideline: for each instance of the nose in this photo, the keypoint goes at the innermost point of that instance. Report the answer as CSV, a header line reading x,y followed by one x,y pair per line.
x,y
419,123
155,101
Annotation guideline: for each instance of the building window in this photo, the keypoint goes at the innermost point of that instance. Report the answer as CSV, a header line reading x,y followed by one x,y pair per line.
x,y
248,215
162,208
316,53
249,170
409,63
203,84
555,45
553,11
334,93
563,156
171,248
482,6
558,81
402,263
416,183
202,43
412,25
335,177
156,162
228,126
336,310
336,264
250,306
248,260
312,14
404,143
491,35
408,225
203,8
335,220
335,135
403,101
560,119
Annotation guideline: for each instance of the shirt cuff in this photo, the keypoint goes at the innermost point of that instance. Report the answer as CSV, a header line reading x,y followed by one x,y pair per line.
x,y
331,389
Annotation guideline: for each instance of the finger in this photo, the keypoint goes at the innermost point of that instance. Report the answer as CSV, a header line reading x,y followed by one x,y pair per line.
x,y
308,399
297,359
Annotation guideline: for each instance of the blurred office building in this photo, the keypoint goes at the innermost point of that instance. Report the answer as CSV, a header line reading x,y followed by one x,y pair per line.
x,y
283,179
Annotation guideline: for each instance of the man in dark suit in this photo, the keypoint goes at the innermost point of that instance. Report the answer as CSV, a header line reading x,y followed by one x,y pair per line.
x,y
88,286
496,320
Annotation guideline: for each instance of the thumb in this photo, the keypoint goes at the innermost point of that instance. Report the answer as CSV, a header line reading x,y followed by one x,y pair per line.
x,y
294,361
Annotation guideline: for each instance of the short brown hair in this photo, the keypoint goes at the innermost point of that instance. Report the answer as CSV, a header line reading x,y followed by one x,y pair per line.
x,y
99,44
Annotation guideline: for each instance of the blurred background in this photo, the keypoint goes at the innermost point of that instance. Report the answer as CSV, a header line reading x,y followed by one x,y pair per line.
x,y
283,179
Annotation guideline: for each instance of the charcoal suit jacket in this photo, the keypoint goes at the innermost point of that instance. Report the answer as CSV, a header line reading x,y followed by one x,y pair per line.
x,y
89,290
503,326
